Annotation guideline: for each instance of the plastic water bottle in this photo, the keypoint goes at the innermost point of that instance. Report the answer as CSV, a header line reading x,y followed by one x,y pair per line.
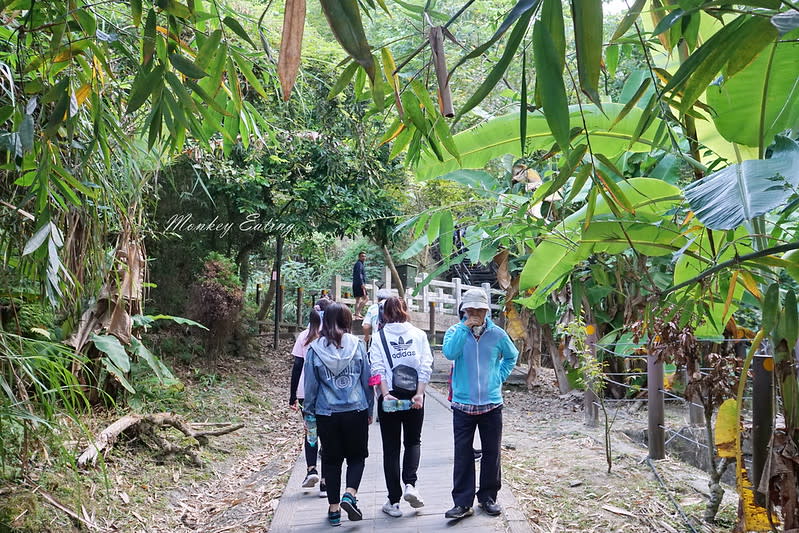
x,y
310,426
390,406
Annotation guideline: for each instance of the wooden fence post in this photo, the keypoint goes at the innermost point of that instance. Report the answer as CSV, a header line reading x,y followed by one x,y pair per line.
x,y
337,288
456,291
387,277
657,432
762,416
590,399
299,306
432,312
696,413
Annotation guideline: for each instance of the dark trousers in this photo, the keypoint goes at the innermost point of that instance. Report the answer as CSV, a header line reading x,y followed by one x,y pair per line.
x,y
405,426
311,452
343,436
463,477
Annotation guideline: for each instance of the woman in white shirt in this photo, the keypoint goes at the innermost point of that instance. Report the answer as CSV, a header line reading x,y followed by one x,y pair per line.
x,y
399,353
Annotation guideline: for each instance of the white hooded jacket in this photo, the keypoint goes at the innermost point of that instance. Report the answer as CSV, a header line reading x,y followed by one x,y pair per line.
x,y
407,345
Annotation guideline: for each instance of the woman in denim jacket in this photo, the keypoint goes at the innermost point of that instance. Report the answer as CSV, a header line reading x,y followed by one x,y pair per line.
x,y
337,392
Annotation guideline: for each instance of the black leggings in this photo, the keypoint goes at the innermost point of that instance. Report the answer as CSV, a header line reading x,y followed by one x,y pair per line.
x,y
311,452
407,427
343,436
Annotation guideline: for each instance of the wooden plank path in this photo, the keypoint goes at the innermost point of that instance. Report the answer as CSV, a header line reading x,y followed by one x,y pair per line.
x,y
301,510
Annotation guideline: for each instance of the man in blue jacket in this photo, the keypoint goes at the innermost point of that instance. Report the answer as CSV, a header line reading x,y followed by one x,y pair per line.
x,y
484,357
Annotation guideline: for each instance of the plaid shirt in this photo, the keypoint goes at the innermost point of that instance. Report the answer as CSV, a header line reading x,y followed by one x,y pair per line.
x,y
475,409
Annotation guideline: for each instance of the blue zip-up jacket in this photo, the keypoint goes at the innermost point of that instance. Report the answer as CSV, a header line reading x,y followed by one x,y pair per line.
x,y
337,379
481,365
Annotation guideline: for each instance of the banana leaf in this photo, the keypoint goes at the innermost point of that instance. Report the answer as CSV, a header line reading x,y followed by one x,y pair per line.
x,y
499,136
762,99
738,193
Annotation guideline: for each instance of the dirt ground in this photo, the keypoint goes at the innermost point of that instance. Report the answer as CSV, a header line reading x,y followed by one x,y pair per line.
x,y
554,464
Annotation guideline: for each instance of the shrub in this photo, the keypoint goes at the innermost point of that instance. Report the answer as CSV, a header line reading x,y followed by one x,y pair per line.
x,y
215,300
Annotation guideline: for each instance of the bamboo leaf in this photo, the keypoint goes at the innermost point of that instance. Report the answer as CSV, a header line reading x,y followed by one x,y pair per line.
x,y
136,12
633,101
186,66
588,41
629,19
37,239
550,84
142,87
522,8
750,284
344,19
148,41
249,75
206,52
234,25
343,80
501,66
288,63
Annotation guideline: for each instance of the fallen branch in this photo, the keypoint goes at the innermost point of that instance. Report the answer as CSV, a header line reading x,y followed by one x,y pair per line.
x,y
145,425
61,507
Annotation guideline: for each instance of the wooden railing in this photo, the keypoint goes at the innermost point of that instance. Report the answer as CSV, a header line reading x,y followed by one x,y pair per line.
x,y
444,295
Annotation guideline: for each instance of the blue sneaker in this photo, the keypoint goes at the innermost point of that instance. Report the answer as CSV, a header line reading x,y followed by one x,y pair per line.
x,y
349,504
334,518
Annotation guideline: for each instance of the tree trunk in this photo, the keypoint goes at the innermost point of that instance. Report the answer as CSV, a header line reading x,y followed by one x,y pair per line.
x,y
266,303
243,260
395,278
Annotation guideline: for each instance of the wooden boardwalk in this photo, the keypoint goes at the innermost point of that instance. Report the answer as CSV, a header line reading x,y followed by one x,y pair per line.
x,y
301,510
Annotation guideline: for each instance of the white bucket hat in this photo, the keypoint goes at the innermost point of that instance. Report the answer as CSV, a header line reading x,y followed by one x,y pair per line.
x,y
475,299
383,294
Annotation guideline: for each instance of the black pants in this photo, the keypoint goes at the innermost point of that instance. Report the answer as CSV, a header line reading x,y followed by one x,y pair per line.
x,y
311,452
405,425
343,436
463,477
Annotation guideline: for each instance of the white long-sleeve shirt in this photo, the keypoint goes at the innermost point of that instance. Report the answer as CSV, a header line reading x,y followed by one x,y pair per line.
x,y
407,345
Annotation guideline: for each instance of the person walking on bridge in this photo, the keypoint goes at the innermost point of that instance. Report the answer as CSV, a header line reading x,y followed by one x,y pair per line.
x,y
337,392
400,355
484,357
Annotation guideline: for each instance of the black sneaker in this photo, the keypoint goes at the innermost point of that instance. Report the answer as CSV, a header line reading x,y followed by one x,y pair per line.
x,y
334,518
322,489
311,478
350,506
458,512
491,508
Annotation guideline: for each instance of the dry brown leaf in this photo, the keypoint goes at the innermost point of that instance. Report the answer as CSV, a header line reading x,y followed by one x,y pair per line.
x,y
291,45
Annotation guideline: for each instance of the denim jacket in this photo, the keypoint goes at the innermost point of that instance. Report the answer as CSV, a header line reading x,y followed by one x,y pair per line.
x,y
337,379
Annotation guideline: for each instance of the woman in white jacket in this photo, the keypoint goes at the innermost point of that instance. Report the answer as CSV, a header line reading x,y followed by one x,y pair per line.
x,y
396,345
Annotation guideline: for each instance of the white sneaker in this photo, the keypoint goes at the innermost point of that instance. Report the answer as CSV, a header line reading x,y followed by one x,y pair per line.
x,y
412,496
392,509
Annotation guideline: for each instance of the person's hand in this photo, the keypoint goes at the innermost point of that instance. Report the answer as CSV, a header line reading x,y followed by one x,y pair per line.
x,y
389,397
369,421
472,320
293,405
418,401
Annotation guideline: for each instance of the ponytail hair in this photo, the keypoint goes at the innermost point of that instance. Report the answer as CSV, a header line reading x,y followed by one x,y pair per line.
x,y
314,325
